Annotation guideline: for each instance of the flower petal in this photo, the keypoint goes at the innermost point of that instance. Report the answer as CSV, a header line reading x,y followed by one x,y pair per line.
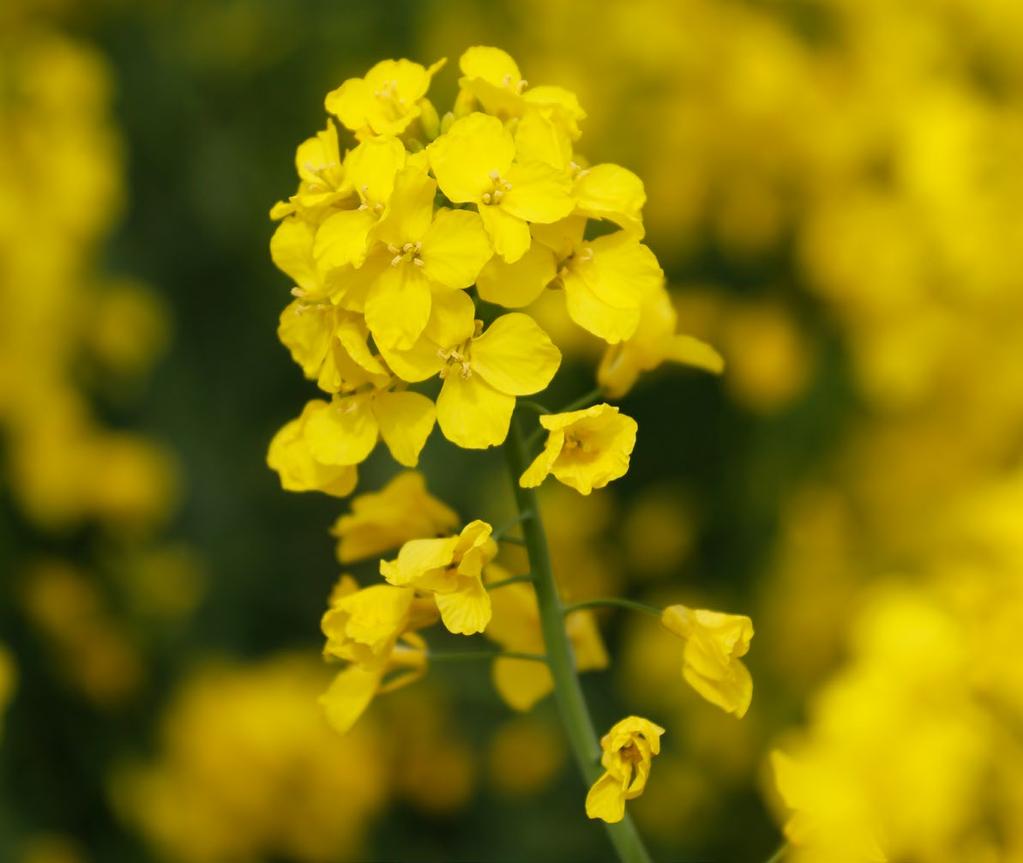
x,y
471,413
509,235
466,611
398,306
343,432
455,248
406,420
348,697
515,356
464,158
518,284
539,192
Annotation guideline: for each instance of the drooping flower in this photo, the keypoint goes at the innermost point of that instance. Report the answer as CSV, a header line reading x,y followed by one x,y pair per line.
x,y
711,664
516,627
290,456
386,101
585,449
474,162
363,625
654,342
628,749
450,569
383,520
354,687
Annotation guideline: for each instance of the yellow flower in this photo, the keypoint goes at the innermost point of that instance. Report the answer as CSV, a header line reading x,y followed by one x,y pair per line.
x,y
414,253
321,173
491,77
371,170
585,449
606,282
386,101
714,641
628,748
653,342
609,191
516,627
474,162
290,456
451,569
383,520
483,372
363,626
345,431
354,687
291,248
331,346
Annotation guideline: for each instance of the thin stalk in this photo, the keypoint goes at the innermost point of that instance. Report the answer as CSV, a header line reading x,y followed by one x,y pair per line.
x,y
614,602
575,715
584,401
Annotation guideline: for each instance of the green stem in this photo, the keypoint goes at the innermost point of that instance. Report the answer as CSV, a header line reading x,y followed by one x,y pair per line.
x,y
575,715
779,855
514,579
465,655
614,602
583,401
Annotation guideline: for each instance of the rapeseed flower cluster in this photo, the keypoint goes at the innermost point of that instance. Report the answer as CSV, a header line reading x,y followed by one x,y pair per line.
x,y
421,245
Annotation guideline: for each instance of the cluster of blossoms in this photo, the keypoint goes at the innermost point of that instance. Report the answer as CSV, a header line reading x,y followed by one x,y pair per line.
x,y
404,252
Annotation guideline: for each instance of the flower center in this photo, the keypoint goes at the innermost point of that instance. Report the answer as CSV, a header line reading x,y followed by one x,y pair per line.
x,y
498,188
388,92
630,753
408,252
517,87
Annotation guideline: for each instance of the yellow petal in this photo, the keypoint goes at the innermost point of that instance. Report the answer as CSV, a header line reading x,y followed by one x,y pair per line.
x,y
409,211
465,157
620,270
561,237
518,284
466,611
611,192
610,323
406,420
490,64
538,138
508,234
418,557
306,331
352,333
515,356
452,318
606,800
732,693
471,413
291,249
343,432
351,103
539,192
290,457
542,465
348,697
693,352
521,683
455,248
398,306
372,167
342,239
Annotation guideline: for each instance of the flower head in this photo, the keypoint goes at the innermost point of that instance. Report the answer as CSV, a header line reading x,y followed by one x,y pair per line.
x,y
451,569
383,520
628,749
714,643
585,449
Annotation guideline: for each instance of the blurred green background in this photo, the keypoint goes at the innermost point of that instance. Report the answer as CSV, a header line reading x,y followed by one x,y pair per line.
x,y
834,209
